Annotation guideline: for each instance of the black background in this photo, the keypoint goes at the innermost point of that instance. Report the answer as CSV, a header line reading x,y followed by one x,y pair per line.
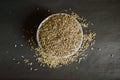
x,y
99,65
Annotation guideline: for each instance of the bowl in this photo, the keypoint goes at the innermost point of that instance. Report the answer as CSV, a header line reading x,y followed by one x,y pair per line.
x,y
70,54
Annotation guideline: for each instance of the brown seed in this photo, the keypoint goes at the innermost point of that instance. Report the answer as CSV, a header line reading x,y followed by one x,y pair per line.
x,y
22,56
92,48
30,64
21,45
15,45
26,60
35,69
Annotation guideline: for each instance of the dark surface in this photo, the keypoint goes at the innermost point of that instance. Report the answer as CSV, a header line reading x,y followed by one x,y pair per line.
x,y
99,65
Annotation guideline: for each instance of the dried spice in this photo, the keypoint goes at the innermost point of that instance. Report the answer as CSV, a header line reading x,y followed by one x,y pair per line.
x,y
60,35
88,40
51,37
15,45
21,45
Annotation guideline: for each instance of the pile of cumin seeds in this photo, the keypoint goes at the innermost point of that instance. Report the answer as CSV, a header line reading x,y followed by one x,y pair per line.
x,y
43,59
88,39
60,35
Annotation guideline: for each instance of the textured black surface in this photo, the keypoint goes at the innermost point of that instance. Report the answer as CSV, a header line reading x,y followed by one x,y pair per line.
x,y
17,14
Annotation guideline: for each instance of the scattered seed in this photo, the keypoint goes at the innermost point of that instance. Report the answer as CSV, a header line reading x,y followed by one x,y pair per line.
x,y
79,60
28,40
30,64
26,60
22,57
35,69
92,48
21,45
92,24
13,59
15,45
